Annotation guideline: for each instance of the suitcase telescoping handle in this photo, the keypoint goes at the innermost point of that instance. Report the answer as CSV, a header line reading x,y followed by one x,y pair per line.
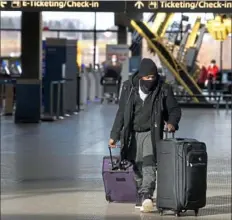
x,y
111,159
166,132
120,164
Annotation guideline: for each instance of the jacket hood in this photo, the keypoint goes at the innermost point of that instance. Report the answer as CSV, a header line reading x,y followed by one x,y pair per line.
x,y
147,67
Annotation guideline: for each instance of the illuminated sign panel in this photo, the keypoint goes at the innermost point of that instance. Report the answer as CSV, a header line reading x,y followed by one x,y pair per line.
x,y
120,6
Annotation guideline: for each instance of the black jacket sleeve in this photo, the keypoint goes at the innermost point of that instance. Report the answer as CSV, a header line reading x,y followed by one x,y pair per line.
x,y
173,108
119,119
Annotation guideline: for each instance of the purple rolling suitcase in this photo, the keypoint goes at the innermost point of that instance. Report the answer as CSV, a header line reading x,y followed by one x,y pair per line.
x,y
119,183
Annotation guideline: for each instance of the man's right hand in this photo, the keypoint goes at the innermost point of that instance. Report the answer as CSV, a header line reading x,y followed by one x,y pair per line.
x,y
112,143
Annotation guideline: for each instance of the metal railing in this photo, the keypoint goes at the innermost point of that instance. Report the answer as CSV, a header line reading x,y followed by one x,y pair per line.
x,y
7,96
53,115
187,99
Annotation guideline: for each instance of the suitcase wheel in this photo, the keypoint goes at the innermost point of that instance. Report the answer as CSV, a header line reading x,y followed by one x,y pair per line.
x,y
177,214
196,212
108,199
161,212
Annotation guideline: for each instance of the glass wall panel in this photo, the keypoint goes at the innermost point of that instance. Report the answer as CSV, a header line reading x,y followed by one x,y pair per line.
x,y
49,34
146,16
70,35
68,20
103,39
10,43
10,20
174,24
129,38
147,54
85,47
204,17
210,50
105,21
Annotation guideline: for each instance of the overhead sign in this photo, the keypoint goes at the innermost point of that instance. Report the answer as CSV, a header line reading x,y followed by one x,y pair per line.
x,y
119,6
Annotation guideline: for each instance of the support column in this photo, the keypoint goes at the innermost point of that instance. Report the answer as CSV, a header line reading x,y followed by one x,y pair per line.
x,y
122,35
29,87
221,55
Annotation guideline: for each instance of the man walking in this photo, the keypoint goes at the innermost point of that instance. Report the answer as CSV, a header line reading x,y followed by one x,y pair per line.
x,y
146,102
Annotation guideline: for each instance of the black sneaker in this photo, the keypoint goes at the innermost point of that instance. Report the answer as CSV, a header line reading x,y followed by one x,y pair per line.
x,y
147,204
138,203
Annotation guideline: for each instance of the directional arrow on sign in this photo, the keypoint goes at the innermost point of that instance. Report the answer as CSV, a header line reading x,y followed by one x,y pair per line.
x,y
139,4
3,4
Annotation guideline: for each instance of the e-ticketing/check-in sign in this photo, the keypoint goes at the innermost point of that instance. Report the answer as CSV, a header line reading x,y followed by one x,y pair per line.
x,y
119,6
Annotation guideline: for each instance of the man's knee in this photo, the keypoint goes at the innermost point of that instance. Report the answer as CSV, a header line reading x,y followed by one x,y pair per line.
x,y
137,167
149,161
138,177
149,172
149,168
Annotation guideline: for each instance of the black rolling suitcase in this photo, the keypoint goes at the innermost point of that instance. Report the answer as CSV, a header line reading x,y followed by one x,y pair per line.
x,y
181,175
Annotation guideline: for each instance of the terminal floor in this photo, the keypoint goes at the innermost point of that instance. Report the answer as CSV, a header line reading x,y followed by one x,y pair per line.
x,y
53,170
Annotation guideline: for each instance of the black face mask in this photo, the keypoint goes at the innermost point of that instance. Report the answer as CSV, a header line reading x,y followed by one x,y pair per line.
x,y
148,85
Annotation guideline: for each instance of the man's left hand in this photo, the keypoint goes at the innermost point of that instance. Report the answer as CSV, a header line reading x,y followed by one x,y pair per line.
x,y
170,128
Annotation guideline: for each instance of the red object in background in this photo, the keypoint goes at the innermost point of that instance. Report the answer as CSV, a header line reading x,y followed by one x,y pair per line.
x,y
203,75
45,28
213,71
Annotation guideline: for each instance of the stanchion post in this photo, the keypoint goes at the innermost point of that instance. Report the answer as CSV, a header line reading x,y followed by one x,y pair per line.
x,y
58,100
63,89
78,94
9,98
2,97
227,102
218,104
51,112
2,93
51,98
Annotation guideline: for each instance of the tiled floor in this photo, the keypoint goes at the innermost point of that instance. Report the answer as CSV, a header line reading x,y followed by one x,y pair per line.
x,y
53,170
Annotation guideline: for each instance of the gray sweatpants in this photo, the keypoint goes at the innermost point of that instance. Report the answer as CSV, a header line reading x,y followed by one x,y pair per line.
x,y
145,166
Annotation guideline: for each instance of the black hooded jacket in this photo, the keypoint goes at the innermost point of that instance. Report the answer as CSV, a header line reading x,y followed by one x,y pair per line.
x,y
142,108
164,108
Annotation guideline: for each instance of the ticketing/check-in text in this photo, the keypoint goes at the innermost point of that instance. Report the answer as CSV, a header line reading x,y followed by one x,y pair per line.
x,y
60,4
195,4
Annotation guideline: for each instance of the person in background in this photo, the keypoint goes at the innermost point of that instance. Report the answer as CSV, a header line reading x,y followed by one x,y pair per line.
x,y
212,73
145,104
212,70
114,65
113,70
203,77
